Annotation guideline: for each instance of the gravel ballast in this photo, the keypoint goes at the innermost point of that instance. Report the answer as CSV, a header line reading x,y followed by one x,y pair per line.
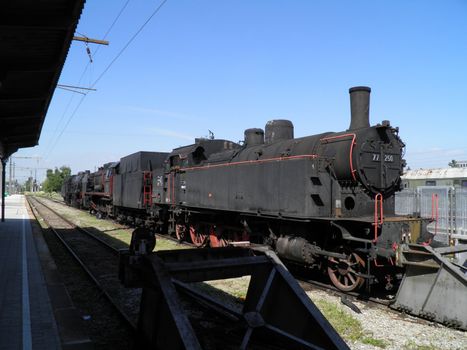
x,y
397,331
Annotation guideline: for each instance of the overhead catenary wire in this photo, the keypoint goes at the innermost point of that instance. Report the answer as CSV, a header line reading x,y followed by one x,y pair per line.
x,y
71,90
52,143
133,37
129,42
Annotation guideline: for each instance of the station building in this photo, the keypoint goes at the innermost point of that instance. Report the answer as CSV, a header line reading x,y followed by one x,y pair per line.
x,y
455,177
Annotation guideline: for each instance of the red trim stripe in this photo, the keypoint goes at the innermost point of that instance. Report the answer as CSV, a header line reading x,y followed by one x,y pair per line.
x,y
209,166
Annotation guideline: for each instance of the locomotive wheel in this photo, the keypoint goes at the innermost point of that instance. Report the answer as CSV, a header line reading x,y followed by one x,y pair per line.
x,y
344,273
180,232
216,238
198,237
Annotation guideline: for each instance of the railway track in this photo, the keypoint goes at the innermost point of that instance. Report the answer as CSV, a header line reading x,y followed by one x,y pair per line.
x,y
307,284
385,300
126,227
97,258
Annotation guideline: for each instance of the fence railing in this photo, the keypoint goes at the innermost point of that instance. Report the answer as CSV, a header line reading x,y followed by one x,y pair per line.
x,y
446,205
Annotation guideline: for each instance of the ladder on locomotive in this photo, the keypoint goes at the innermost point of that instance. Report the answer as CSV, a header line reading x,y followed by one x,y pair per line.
x,y
147,188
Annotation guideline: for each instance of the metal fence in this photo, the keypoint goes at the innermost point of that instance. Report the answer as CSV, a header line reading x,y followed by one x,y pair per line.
x,y
406,202
461,212
446,205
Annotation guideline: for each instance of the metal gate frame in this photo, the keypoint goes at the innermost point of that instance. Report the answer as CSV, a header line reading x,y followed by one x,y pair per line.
x,y
277,313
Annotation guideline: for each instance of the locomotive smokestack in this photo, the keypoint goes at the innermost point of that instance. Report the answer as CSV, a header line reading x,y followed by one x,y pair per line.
x,y
359,107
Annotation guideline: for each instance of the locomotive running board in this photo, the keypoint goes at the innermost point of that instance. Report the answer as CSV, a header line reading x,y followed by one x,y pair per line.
x,y
276,313
434,286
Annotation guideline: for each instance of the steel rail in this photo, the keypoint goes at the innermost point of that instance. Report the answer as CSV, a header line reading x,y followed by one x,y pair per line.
x,y
160,235
36,212
354,295
83,230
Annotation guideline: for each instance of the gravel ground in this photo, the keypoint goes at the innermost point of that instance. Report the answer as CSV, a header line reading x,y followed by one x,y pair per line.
x,y
398,331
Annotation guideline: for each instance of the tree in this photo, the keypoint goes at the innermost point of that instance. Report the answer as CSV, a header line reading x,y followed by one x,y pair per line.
x,y
453,164
55,178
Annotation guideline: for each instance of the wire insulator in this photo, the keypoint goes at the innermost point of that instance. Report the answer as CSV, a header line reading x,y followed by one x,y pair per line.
x,y
88,50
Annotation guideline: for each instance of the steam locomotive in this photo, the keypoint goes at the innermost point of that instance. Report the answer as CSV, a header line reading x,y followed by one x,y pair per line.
x,y
324,201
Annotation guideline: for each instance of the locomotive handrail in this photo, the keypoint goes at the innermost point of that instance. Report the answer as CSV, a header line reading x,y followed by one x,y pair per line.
x,y
354,137
378,214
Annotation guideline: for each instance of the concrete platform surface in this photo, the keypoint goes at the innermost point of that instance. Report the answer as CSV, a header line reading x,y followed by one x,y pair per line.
x,y
26,316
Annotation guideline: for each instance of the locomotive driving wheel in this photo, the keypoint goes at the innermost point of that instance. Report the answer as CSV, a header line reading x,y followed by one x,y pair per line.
x,y
198,236
344,273
216,237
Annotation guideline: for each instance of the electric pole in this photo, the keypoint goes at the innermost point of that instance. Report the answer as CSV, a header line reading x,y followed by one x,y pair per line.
x,y
13,168
9,181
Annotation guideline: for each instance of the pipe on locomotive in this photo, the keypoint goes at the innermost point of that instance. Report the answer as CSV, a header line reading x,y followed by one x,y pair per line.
x,y
359,107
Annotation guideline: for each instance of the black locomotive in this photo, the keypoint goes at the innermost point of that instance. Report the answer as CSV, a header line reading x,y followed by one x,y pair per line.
x,y
323,201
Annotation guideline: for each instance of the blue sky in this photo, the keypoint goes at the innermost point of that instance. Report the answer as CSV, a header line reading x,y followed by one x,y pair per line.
x,y
230,65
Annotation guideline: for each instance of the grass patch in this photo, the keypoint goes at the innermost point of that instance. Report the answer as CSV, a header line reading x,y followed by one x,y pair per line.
x,y
347,326
50,195
411,345
237,287
230,292
375,342
167,244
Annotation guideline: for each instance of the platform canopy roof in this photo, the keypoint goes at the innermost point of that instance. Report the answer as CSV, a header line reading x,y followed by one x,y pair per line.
x,y
35,36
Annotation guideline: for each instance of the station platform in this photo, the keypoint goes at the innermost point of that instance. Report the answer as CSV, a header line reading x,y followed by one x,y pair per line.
x,y
32,299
